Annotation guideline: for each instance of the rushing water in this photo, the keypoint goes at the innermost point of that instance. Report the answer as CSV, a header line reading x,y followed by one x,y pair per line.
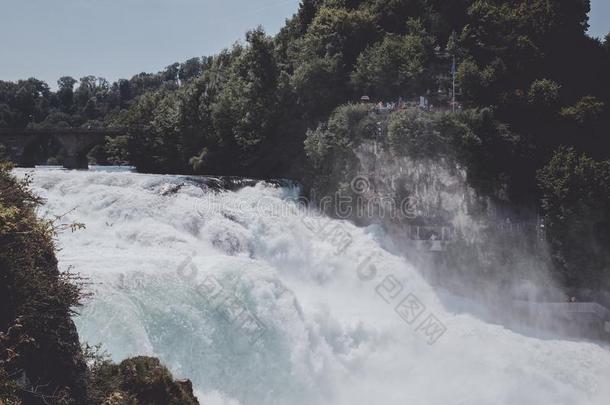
x,y
240,292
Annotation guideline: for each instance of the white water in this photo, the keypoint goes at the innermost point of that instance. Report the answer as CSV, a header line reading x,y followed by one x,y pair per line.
x,y
328,338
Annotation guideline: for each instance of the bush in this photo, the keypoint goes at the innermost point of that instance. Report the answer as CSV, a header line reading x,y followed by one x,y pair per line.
x,y
346,128
413,133
318,144
586,110
544,93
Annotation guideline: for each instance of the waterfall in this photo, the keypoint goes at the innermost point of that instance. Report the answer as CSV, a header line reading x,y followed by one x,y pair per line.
x,y
260,300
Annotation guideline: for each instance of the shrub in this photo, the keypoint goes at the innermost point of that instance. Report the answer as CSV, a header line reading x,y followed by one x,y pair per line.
x,y
544,93
586,110
347,126
414,134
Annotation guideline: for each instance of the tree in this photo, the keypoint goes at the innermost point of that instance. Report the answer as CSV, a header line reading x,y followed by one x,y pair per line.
x,y
586,110
337,31
392,15
243,113
576,204
331,146
151,129
190,69
85,90
65,93
29,102
124,90
317,88
6,116
413,133
66,83
397,66
475,82
544,93
170,74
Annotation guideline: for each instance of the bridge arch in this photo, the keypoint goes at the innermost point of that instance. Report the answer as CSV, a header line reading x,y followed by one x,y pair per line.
x,y
27,147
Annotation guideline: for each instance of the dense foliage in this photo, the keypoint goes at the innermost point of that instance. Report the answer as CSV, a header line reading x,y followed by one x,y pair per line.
x,y
529,80
246,110
576,200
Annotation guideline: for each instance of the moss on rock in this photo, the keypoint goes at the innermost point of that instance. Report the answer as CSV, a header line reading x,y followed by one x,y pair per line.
x,y
140,380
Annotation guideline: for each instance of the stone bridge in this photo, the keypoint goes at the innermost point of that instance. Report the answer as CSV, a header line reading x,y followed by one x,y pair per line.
x,y
22,145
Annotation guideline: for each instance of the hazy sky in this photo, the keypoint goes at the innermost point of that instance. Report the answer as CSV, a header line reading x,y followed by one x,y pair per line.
x,y
118,38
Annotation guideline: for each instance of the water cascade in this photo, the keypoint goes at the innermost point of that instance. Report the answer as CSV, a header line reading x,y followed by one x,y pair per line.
x,y
259,300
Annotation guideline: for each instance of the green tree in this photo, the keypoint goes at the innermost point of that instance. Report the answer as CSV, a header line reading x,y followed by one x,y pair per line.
x,y
65,93
392,15
413,133
190,69
170,74
324,57
334,141
397,66
153,139
576,204
244,111
85,91
586,110
544,93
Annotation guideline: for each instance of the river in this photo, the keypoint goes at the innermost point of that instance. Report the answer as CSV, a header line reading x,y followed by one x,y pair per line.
x,y
259,300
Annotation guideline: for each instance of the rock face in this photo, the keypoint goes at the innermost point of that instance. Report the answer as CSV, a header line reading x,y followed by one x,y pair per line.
x,y
140,380
39,348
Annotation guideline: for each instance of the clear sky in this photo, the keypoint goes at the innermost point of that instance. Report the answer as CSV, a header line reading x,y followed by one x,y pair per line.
x,y
118,38
47,39
599,19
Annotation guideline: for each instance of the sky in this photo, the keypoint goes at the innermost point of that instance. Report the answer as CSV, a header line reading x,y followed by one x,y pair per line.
x,y
116,39
599,18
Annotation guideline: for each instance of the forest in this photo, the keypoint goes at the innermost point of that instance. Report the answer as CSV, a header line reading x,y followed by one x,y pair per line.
x,y
532,123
